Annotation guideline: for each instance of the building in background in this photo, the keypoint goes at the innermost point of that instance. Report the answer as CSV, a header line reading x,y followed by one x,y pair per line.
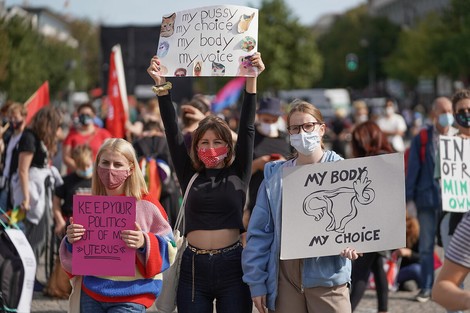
x,y
46,22
406,12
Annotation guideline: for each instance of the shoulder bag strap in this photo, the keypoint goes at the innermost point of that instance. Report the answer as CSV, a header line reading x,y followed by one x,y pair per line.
x,y
180,217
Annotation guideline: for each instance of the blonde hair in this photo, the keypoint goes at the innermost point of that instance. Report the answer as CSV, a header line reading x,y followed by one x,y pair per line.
x,y
135,184
82,155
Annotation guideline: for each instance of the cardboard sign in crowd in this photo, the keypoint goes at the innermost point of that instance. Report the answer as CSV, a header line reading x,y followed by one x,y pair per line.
x,y
357,203
455,173
101,251
209,41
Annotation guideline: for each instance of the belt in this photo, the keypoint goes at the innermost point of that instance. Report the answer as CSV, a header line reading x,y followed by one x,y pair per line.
x,y
214,251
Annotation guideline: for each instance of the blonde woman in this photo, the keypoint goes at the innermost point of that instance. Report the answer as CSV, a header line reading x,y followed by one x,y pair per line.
x,y
116,173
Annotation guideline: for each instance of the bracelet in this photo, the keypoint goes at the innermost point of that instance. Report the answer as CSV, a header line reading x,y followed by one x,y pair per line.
x,y
161,88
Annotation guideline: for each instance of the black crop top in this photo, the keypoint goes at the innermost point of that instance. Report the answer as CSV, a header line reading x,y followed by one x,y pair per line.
x,y
217,196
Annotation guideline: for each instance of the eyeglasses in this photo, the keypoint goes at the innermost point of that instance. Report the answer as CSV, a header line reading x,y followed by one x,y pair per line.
x,y
307,127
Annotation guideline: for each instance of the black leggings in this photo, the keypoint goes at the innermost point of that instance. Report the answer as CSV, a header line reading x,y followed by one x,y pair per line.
x,y
361,269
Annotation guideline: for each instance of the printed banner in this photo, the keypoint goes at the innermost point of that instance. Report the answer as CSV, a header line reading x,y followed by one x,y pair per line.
x,y
357,203
101,251
209,41
455,173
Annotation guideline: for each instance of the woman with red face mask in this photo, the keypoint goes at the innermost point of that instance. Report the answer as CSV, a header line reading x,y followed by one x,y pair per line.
x,y
211,264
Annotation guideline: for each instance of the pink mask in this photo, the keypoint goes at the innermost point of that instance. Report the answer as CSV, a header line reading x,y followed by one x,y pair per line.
x,y
211,157
112,179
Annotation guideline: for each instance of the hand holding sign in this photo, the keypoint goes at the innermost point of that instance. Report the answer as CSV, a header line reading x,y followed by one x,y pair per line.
x,y
133,238
75,232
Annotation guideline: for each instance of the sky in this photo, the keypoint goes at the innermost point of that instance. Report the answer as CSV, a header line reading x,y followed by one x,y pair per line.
x,y
149,12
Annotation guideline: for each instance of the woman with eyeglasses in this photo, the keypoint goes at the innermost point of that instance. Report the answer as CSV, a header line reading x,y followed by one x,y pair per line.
x,y
317,284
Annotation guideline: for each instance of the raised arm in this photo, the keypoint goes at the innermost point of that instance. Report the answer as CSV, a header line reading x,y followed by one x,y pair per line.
x,y
178,151
246,130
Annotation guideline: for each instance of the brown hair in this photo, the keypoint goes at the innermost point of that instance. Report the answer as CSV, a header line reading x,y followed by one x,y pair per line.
x,y
86,105
17,107
368,140
82,155
222,131
459,95
44,124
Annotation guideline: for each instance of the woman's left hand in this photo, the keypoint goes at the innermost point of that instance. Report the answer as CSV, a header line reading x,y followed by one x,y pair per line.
x,y
350,253
257,62
133,238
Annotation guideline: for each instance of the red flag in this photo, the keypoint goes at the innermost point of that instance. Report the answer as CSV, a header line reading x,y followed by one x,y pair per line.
x,y
117,96
38,100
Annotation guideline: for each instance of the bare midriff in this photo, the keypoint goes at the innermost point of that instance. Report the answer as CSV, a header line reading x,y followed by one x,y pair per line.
x,y
213,239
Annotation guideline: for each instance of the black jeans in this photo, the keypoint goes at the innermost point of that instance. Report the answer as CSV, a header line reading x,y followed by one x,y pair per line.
x,y
205,278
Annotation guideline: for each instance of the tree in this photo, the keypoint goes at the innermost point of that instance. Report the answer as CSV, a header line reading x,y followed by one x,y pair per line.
x,y
414,57
288,49
371,39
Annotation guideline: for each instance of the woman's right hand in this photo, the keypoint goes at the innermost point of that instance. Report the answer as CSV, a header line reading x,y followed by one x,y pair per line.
x,y
260,303
154,71
75,232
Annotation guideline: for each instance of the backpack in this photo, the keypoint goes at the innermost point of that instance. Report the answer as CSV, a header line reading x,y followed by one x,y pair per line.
x,y
11,274
423,136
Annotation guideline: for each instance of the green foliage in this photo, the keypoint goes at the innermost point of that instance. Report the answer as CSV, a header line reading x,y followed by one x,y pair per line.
x,y
414,55
288,49
371,39
27,59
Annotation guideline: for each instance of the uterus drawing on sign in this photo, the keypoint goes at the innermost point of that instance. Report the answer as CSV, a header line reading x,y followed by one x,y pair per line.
x,y
339,204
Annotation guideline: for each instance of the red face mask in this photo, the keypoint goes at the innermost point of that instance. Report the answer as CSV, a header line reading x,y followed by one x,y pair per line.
x,y
112,179
211,157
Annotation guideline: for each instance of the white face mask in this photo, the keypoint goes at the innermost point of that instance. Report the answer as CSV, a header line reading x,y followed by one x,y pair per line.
x,y
305,143
390,110
268,129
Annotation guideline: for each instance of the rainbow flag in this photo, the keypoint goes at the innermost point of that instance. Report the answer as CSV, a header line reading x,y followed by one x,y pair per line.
x,y
228,95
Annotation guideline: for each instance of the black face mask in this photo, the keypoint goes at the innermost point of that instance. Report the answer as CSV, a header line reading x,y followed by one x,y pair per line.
x,y
85,119
16,124
463,119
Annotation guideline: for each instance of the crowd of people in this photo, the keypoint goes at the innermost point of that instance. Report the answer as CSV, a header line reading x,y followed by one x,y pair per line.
x,y
233,207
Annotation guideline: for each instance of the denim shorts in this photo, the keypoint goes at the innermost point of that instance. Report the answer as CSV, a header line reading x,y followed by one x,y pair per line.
x,y
213,276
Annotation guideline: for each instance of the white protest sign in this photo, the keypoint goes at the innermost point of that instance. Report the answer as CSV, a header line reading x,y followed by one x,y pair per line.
x,y
357,203
455,173
209,41
28,259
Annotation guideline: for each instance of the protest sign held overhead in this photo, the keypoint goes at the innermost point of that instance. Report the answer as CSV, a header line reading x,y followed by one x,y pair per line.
x,y
101,251
209,41
358,203
455,173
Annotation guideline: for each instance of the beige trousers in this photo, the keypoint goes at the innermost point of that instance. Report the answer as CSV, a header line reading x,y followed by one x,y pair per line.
x,y
291,298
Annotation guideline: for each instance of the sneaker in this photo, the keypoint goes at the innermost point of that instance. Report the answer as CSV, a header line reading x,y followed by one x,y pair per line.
x,y
423,295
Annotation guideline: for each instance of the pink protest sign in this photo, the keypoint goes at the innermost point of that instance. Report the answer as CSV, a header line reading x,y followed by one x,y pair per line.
x,y
101,251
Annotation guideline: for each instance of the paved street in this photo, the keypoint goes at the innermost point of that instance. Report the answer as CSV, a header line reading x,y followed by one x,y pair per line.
x,y
399,302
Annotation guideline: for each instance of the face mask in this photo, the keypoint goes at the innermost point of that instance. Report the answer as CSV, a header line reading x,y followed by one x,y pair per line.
x,y
389,111
463,119
85,173
85,119
268,129
112,179
16,124
445,119
305,143
362,118
211,157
